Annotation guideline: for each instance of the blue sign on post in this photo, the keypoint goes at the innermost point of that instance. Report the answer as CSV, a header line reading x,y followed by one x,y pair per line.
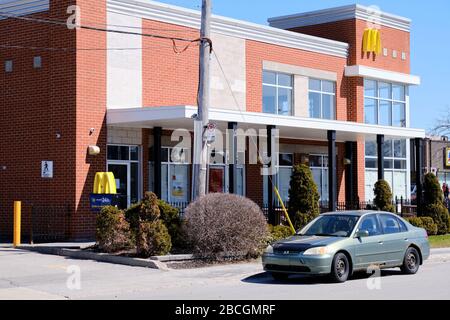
x,y
98,201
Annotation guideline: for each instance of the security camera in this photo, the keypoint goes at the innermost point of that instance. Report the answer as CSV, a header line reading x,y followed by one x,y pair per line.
x,y
194,116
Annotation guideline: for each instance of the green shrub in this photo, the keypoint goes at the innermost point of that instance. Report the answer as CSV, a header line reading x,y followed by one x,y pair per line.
x,y
434,204
383,196
303,197
149,209
278,233
439,213
225,226
153,239
132,215
432,192
171,218
424,222
113,231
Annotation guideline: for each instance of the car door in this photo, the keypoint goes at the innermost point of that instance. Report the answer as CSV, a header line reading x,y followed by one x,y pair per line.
x,y
369,250
395,239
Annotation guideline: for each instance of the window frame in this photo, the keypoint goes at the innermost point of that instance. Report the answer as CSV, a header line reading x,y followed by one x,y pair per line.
x,y
322,93
277,87
391,100
323,169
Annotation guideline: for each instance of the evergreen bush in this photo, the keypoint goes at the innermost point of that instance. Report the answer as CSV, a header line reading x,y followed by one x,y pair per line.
x,y
383,196
303,197
434,204
113,231
153,239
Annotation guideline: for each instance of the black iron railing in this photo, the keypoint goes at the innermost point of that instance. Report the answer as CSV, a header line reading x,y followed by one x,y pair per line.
x,y
50,223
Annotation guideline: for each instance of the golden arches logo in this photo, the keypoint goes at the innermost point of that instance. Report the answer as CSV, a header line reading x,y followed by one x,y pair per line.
x,y
372,41
105,183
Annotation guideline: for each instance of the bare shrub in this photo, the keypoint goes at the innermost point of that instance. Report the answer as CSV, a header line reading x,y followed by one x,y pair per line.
x,y
225,226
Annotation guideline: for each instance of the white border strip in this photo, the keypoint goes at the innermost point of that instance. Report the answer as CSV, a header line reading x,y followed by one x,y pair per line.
x,y
338,14
379,74
139,115
191,18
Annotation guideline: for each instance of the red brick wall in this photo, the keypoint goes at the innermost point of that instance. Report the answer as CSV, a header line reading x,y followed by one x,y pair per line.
x,y
169,79
66,96
257,52
91,113
36,104
351,32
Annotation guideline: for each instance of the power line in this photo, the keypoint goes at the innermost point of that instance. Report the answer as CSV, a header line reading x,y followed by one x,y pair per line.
x,y
63,23
8,46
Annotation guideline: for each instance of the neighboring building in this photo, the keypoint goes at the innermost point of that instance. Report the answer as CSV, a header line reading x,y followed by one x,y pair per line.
x,y
436,153
305,74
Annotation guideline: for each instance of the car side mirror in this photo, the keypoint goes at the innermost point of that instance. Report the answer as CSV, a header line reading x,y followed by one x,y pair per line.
x,y
362,234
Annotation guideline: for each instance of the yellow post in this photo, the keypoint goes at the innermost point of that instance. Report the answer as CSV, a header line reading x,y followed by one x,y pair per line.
x,y
17,217
284,210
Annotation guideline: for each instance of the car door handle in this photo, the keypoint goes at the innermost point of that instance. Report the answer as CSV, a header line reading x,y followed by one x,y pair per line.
x,y
380,242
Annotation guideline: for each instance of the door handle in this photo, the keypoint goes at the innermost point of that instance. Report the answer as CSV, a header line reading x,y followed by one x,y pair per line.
x,y
380,242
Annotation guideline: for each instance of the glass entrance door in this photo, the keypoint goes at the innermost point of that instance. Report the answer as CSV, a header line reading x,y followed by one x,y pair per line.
x,y
121,174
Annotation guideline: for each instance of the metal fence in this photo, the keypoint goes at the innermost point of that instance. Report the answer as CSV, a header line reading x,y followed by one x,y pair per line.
x,y
50,223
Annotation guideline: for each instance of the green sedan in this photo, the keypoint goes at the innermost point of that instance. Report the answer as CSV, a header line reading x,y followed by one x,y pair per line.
x,y
338,244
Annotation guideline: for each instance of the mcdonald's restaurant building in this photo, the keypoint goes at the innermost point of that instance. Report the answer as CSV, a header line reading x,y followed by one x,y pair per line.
x,y
75,102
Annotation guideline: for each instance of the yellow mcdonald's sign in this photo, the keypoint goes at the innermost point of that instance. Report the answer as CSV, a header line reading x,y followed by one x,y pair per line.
x,y
372,41
105,183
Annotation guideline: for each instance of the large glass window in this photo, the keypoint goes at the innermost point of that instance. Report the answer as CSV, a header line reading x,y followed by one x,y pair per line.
x,y
175,175
277,93
319,168
384,103
395,167
282,180
322,99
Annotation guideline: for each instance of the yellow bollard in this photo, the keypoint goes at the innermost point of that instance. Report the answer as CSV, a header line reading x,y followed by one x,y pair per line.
x,y
17,218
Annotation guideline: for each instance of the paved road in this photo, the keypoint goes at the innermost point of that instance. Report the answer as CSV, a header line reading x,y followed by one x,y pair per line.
x,y
27,275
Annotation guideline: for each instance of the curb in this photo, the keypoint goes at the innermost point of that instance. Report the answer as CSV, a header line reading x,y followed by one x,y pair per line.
x,y
76,253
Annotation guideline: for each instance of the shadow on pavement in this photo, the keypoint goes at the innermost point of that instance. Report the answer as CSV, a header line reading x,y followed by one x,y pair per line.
x,y
266,278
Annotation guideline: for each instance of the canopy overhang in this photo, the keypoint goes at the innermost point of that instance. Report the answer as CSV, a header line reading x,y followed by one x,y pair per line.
x,y
182,117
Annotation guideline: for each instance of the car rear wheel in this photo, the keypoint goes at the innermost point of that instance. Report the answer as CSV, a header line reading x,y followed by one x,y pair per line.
x,y
411,262
340,268
280,276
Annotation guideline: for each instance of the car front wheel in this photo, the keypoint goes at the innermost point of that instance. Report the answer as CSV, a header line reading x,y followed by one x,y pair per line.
x,y
411,262
340,268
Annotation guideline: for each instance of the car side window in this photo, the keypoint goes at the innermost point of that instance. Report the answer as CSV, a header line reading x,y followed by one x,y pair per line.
x,y
390,224
371,224
403,227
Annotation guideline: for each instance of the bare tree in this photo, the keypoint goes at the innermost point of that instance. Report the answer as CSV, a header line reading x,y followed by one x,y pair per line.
x,y
442,125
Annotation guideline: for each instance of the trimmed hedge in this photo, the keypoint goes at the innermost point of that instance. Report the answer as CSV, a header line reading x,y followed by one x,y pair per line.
x,y
113,231
424,222
153,239
278,233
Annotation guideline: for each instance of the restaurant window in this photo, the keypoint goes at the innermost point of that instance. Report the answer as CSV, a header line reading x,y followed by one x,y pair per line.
x,y
395,167
384,103
277,93
319,168
281,180
322,99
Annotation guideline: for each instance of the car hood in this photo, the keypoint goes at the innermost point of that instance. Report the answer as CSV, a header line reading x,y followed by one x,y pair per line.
x,y
302,243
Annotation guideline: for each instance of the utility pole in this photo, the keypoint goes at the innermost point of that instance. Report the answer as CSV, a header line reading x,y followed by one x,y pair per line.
x,y
202,120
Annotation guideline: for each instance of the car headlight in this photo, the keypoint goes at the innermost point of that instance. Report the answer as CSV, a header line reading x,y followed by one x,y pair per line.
x,y
269,249
318,251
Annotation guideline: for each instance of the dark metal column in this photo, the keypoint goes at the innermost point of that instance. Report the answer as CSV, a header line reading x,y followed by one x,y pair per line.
x,y
157,133
233,157
380,148
349,176
332,171
419,174
271,179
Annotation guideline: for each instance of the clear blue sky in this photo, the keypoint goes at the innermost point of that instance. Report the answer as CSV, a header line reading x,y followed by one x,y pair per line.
x,y
430,42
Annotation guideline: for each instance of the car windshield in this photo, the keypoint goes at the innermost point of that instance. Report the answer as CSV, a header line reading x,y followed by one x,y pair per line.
x,y
330,226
